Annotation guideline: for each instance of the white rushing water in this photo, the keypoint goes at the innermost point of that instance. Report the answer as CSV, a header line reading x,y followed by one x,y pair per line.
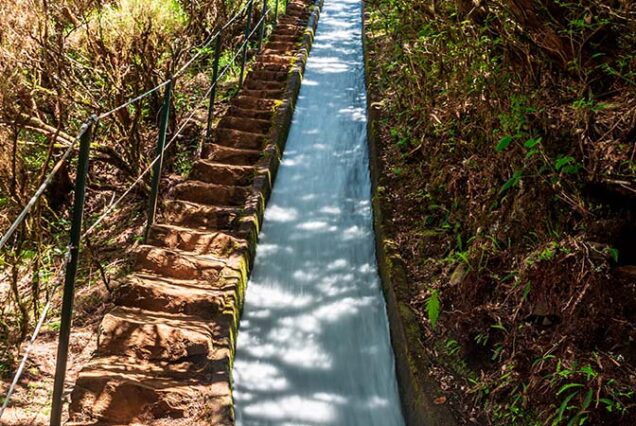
x,y
313,344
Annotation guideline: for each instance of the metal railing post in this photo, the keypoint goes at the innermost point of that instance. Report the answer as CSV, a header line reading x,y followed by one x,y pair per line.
x,y
161,143
215,76
276,13
247,34
71,272
263,23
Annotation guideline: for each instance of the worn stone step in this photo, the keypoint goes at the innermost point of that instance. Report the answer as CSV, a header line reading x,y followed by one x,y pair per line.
x,y
292,32
239,139
175,263
222,174
200,216
285,38
274,58
268,75
279,46
203,300
247,102
249,125
265,94
298,7
219,244
227,155
210,193
290,19
262,66
298,12
291,26
155,336
284,26
117,391
253,83
236,111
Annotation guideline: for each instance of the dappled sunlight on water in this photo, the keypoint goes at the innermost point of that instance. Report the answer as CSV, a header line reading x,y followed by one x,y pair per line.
x,y
313,345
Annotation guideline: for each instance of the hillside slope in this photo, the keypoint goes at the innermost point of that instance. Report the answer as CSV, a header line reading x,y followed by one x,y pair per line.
x,y
507,147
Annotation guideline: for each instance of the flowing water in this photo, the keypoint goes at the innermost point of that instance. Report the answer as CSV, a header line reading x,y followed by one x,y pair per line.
x,y
313,345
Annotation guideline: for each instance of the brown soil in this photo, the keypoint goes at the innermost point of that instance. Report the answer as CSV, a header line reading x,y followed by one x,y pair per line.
x,y
31,401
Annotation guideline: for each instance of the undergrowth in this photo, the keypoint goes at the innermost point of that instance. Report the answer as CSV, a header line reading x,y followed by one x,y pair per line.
x,y
508,130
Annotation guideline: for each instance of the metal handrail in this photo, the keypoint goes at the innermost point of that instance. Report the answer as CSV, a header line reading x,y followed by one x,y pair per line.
x,y
84,138
49,178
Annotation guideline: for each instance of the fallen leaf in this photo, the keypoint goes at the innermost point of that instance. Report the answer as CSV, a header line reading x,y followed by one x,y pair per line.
x,y
439,400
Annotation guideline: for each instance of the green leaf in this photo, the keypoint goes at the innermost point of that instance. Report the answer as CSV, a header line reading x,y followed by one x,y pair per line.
x,y
532,152
499,326
564,406
526,290
588,399
503,143
609,404
433,308
613,252
532,142
563,161
569,386
513,181
589,372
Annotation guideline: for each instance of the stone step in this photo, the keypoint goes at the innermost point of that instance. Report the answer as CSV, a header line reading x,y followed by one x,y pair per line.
x,y
265,114
175,263
210,193
222,174
199,216
268,75
117,391
218,244
291,32
249,125
275,58
247,102
265,94
227,155
203,300
252,83
292,20
285,38
238,139
285,26
298,7
298,12
279,46
156,336
262,66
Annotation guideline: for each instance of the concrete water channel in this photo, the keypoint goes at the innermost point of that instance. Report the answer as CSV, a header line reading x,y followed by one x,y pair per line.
x,y
313,344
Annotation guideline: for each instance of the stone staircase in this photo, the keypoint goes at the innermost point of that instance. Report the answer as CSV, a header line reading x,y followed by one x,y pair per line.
x,y
164,354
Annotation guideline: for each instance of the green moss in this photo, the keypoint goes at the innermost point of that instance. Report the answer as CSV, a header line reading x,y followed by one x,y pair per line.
x,y
412,328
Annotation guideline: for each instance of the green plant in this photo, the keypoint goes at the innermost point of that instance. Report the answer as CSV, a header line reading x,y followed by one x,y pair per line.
x,y
567,165
452,347
123,21
512,182
55,325
613,253
433,308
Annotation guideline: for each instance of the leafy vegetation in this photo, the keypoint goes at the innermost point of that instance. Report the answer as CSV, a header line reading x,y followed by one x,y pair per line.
x,y
61,62
508,144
